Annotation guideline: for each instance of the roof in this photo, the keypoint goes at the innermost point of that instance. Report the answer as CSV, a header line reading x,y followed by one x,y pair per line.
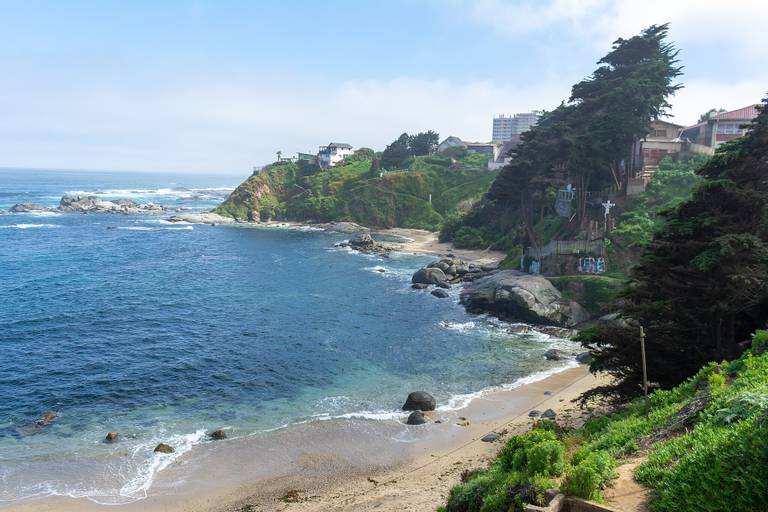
x,y
746,113
670,123
341,145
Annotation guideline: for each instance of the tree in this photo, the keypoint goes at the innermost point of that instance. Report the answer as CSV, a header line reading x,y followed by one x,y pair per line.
x,y
375,168
397,154
588,141
709,113
424,143
702,284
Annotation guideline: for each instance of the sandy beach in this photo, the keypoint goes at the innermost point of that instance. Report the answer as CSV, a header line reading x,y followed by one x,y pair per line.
x,y
426,242
349,465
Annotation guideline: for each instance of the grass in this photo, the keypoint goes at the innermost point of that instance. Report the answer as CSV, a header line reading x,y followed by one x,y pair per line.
x,y
706,443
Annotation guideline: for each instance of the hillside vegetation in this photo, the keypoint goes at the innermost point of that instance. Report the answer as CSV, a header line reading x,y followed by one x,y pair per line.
x,y
706,443
355,191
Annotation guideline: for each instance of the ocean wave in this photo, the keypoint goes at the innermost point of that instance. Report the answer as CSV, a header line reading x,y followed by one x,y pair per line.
x,y
30,226
148,228
41,214
178,193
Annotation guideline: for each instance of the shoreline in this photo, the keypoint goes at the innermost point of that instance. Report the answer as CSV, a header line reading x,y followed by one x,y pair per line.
x,y
349,464
322,478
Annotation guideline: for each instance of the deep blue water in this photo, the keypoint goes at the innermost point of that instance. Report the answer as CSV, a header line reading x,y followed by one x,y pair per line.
x,y
163,331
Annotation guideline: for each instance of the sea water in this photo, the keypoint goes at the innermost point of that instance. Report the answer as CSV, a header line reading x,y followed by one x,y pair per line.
x,y
163,331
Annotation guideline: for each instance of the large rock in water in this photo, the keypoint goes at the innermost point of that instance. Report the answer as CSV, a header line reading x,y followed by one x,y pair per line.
x,y
27,207
429,276
522,297
416,418
420,401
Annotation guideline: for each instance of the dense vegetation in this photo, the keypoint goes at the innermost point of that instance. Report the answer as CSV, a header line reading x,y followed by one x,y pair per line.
x,y
356,190
702,283
706,443
586,142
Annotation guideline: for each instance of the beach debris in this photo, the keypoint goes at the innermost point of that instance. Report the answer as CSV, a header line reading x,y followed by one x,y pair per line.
x,y
440,294
491,437
534,413
111,437
419,286
463,422
549,414
164,448
554,355
419,401
218,435
416,418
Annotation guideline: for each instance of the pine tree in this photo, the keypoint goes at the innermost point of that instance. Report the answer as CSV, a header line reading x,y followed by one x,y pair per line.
x,y
702,284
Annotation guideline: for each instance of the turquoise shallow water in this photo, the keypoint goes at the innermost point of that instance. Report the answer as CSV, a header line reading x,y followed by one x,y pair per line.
x,y
163,331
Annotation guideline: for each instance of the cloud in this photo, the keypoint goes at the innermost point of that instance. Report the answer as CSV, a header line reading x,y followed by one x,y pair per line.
x,y
738,24
230,125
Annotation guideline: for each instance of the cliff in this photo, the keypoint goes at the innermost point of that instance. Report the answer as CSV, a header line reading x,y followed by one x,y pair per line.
x,y
351,191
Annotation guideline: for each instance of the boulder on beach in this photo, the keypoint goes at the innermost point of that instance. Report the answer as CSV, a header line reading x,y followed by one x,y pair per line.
x,y
549,414
584,358
518,296
555,355
534,413
420,401
419,286
111,437
491,437
416,418
218,435
439,293
164,448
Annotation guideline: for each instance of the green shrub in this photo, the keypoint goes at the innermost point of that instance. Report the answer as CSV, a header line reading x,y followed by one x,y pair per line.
x,y
546,458
586,479
760,342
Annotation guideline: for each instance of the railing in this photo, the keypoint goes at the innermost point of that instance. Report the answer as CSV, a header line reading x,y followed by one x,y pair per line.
x,y
567,247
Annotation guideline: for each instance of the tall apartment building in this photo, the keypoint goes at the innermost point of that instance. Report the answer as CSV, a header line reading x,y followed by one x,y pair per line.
x,y
504,127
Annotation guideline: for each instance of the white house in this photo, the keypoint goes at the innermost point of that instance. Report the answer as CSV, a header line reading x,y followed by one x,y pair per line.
x,y
333,153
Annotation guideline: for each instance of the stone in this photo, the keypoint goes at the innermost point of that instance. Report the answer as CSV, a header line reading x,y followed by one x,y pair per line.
x,y
218,435
164,448
47,418
534,413
547,393
111,437
27,207
439,293
202,218
429,276
490,438
416,418
444,286
584,358
517,296
419,286
549,414
555,355
419,401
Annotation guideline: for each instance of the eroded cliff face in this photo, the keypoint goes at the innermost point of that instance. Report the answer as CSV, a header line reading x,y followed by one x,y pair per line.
x,y
253,200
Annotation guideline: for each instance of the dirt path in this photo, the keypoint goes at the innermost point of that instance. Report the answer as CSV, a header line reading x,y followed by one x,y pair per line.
x,y
625,494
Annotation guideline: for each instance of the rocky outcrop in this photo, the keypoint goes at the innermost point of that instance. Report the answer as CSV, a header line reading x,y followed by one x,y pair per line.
x,y
440,294
111,437
202,218
429,276
366,244
420,401
516,296
349,228
28,207
93,204
555,355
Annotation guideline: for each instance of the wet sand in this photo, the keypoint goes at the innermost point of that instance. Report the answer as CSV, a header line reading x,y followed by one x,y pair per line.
x,y
349,464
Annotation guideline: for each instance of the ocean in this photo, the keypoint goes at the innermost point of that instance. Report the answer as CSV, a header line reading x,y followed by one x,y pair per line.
x,y
165,331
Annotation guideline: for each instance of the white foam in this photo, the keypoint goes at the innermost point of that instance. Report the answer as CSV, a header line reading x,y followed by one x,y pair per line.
x,y
148,228
42,214
30,226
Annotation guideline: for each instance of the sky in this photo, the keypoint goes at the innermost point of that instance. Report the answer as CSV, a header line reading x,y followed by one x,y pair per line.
x,y
219,86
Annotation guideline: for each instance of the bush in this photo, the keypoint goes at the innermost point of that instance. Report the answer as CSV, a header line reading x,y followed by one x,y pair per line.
x,y
587,478
546,458
760,342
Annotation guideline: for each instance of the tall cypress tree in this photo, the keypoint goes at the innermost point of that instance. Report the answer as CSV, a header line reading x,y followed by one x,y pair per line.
x,y
702,284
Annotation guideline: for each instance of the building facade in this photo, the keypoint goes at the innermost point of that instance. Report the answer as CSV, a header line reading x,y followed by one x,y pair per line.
x,y
720,128
333,153
505,127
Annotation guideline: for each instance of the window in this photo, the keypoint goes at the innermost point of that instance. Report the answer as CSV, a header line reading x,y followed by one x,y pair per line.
x,y
728,129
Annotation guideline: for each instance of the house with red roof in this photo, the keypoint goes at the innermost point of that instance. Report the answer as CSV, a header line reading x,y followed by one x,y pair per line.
x,y
719,128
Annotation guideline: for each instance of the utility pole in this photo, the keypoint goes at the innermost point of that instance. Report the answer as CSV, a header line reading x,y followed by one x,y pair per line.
x,y
642,351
